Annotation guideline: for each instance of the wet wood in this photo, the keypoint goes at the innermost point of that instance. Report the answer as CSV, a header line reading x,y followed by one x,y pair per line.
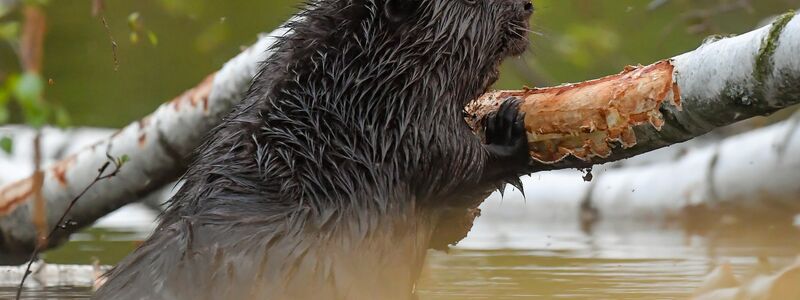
x,y
587,119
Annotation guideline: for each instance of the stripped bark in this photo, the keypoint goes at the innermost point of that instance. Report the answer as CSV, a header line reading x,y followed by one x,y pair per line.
x,y
616,117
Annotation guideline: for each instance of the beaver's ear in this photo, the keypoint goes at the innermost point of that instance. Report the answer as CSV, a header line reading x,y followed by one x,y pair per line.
x,y
400,10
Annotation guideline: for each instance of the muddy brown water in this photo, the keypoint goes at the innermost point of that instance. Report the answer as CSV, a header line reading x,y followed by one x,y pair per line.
x,y
520,261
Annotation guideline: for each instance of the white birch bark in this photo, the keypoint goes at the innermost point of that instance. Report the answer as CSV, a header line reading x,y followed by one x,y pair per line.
x,y
56,145
757,172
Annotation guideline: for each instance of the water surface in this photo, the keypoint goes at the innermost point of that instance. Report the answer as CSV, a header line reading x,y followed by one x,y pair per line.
x,y
505,259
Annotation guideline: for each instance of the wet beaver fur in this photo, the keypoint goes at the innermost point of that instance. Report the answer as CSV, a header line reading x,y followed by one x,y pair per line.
x,y
348,159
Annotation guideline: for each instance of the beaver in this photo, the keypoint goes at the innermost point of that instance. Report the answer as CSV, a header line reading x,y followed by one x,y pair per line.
x,y
344,161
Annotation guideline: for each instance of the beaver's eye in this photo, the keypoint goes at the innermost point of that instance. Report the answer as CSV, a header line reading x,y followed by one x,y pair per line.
x,y
470,2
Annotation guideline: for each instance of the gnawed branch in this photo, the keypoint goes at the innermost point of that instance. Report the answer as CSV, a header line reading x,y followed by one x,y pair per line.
x,y
646,108
585,120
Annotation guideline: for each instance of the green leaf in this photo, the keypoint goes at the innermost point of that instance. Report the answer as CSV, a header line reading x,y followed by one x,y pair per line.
x,y
133,21
152,37
28,89
122,160
6,144
35,115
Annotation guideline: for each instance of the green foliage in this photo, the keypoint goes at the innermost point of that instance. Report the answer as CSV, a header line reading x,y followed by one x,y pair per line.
x,y
134,20
134,23
151,36
137,29
123,159
6,144
27,89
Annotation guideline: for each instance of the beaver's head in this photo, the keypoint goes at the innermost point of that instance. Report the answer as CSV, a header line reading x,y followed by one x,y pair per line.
x,y
477,34
499,26
454,45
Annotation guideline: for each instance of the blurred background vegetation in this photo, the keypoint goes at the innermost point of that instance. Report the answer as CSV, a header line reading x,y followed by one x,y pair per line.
x,y
167,46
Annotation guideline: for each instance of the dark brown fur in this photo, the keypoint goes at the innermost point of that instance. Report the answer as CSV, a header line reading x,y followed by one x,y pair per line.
x,y
350,153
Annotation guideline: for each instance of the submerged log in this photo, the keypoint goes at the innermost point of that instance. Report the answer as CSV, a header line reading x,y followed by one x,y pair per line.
x,y
44,275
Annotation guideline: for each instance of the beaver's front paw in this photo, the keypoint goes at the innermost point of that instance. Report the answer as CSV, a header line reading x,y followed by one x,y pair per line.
x,y
507,145
506,140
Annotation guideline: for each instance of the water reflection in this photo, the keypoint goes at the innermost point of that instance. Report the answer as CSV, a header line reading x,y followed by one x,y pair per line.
x,y
613,261
520,260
